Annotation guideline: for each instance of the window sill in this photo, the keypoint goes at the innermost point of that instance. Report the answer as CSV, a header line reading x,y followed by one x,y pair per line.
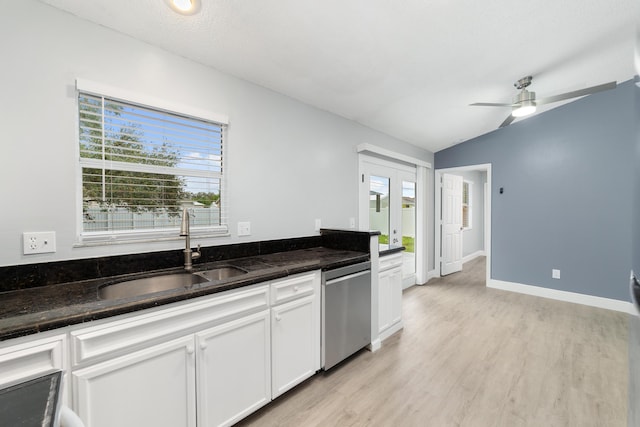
x,y
105,239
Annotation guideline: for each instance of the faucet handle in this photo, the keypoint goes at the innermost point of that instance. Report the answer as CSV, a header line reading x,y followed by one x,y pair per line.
x,y
196,254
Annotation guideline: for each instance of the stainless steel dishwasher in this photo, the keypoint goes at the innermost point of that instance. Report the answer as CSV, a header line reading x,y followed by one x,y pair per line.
x,y
346,312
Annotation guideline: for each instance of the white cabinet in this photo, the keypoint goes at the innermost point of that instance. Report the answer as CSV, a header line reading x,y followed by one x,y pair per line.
x,y
26,358
30,358
295,336
204,363
390,295
154,387
234,369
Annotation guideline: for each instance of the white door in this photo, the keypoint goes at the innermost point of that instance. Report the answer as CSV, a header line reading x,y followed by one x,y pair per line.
x,y
388,205
451,261
293,349
150,387
233,370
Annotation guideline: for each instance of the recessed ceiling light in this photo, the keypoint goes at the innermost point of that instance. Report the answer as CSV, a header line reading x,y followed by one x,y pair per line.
x,y
184,7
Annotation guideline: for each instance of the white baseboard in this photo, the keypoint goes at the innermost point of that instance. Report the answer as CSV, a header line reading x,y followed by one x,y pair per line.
x,y
392,330
590,300
432,275
375,345
473,255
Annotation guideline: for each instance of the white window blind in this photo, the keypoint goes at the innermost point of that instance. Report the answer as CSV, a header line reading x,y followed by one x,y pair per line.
x,y
141,166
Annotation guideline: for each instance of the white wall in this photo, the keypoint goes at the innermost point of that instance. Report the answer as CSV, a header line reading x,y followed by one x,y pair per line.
x,y
288,163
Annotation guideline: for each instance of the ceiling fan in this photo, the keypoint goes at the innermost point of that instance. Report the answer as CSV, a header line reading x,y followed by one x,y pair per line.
x,y
525,102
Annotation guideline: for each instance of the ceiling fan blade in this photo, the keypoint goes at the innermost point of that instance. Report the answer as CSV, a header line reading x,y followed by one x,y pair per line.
x,y
507,121
576,93
489,104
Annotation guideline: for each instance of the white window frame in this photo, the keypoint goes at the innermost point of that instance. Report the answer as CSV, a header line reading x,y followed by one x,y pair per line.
x,y
136,236
468,205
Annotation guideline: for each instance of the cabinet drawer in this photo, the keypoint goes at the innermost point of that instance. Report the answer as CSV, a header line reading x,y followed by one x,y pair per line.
x,y
293,287
114,337
31,359
389,261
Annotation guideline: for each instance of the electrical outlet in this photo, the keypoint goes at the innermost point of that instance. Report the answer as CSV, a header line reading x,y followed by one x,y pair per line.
x,y
352,223
39,243
555,274
244,228
318,225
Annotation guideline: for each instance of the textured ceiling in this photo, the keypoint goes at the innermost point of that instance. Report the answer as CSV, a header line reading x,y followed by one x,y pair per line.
x,y
406,68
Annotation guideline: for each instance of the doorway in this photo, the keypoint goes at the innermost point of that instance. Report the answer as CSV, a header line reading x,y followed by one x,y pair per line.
x,y
469,214
388,204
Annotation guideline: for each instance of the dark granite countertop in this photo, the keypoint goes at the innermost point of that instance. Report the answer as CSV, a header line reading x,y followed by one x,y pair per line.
x,y
389,249
28,311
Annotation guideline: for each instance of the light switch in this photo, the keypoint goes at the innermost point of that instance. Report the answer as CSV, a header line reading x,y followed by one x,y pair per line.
x,y
244,228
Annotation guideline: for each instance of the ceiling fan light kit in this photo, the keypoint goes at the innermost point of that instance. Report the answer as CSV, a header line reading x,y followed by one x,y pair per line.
x,y
184,7
524,103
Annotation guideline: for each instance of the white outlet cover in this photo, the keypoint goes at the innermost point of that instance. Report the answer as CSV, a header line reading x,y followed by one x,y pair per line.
x,y
555,274
39,242
318,225
244,228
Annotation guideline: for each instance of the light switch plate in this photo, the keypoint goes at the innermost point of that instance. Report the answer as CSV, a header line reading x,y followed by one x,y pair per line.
x,y
555,274
39,242
244,228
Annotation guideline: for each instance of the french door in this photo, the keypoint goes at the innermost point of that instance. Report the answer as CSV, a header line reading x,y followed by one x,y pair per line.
x,y
388,205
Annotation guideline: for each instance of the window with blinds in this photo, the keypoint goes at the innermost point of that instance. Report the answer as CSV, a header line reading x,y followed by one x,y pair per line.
x,y
466,205
141,166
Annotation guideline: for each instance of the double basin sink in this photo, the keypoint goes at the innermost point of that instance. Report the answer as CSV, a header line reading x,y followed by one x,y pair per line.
x,y
166,282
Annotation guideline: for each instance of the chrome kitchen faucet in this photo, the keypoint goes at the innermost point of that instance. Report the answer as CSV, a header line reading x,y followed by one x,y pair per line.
x,y
185,230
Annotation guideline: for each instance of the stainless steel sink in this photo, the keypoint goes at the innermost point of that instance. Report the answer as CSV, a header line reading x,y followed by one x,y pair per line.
x,y
222,273
149,285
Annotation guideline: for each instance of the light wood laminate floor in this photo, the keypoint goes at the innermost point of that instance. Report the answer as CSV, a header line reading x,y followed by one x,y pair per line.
x,y
473,356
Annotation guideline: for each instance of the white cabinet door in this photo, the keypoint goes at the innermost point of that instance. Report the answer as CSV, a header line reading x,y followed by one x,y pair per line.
x,y
233,370
390,301
384,300
294,349
150,387
396,296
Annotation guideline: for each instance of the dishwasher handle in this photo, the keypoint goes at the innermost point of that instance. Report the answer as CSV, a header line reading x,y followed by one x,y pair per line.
x,y
348,277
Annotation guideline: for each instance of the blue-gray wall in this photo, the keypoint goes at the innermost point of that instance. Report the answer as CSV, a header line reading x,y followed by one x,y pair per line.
x,y
634,321
636,210
568,178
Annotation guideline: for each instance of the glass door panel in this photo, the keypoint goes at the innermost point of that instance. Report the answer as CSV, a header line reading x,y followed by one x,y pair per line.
x,y
408,227
379,213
